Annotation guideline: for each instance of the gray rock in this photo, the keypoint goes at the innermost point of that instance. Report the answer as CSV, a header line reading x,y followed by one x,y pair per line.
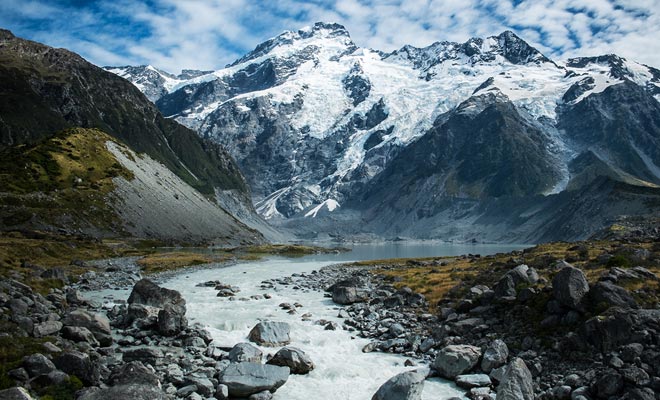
x,y
15,393
130,391
610,331
561,392
495,355
79,334
455,360
265,395
470,381
516,383
38,364
509,282
245,379
298,362
46,328
347,295
635,375
144,354
204,386
149,294
17,307
569,286
171,320
222,392
609,384
134,372
80,365
404,386
631,351
245,352
611,295
270,333
97,323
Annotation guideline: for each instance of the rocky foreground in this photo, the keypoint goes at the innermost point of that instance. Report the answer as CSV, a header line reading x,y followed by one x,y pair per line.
x,y
559,321
143,349
553,331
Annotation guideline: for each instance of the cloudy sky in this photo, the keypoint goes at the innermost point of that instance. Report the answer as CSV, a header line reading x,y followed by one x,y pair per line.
x,y
208,34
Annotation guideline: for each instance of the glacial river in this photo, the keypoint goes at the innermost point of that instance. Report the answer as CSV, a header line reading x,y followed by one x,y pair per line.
x,y
342,370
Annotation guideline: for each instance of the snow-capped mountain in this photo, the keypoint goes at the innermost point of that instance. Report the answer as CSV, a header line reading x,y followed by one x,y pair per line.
x,y
319,124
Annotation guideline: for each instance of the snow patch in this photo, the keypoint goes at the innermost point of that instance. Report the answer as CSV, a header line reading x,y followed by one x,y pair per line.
x,y
329,205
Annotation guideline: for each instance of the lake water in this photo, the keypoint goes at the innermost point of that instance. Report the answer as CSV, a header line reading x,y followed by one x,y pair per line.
x,y
342,370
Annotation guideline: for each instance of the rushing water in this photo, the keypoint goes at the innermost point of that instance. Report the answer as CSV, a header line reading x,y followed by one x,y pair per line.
x,y
342,370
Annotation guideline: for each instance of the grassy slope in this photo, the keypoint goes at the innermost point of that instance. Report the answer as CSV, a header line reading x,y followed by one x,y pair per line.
x,y
64,181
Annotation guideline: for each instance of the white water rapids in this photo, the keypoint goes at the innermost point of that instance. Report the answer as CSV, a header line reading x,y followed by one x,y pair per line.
x,y
342,370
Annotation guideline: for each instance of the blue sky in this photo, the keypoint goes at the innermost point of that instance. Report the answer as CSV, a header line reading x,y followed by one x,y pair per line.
x,y
208,34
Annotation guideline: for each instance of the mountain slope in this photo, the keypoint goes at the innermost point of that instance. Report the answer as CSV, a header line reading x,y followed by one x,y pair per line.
x,y
85,181
46,90
313,120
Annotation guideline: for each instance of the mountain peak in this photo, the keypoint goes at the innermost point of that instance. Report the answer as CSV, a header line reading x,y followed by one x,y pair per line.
x,y
320,31
518,51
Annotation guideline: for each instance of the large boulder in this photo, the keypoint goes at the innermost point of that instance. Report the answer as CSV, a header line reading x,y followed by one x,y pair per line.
x,y
270,333
607,332
404,386
97,324
134,373
38,364
516,383
569,286
609,294
244,379
509,283
79,364
298,362
148,293
170,304
348,292
46,328
79,334
494,356
455,360
245,352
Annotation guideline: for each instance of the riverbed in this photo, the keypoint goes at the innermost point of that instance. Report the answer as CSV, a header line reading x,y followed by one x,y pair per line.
x,y
342,370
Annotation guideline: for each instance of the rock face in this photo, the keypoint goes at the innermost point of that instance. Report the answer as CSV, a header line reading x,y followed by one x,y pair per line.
x,y
172,307
405,386
455,360
296,359
516,383
569,286
270,333
244,379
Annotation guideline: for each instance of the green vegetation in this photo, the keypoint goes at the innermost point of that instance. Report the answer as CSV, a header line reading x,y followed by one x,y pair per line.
x,y
64,181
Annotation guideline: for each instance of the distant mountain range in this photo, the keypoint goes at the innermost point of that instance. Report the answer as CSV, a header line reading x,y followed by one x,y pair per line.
x,y
487,139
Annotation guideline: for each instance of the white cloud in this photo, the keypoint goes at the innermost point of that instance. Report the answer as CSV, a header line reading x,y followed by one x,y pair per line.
x,y
207,34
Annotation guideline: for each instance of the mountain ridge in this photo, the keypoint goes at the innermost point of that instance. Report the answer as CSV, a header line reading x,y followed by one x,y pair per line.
x,y
322,120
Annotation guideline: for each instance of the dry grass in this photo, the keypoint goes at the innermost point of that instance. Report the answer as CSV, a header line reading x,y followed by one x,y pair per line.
x,y
168,261
450,281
